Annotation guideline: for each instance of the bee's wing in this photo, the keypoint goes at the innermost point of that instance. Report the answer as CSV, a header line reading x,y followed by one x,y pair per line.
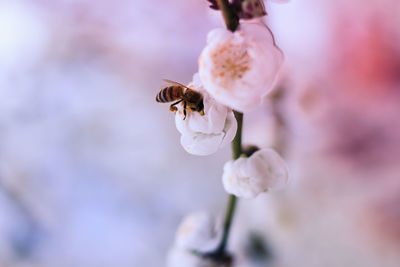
x,y
175,83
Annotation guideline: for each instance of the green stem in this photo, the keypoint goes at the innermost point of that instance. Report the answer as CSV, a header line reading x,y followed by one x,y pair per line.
x,y
237,142
232,22
229,14
230,211
227,224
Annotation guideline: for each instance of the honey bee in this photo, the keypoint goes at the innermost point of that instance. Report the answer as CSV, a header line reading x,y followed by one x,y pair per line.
x,y
191,99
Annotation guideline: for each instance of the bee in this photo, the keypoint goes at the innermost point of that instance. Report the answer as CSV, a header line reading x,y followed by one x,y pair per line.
x,y
191,99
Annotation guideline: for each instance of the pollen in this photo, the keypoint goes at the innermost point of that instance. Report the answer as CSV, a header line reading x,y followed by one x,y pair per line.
x,y
231,61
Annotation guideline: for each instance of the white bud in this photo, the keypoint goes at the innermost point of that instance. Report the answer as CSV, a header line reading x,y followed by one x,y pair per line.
x,y
205,134
183,258
198,231
248,177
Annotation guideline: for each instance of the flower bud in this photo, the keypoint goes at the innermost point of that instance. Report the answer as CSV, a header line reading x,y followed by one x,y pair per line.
x,y
205,134
248,177
183,258
197,232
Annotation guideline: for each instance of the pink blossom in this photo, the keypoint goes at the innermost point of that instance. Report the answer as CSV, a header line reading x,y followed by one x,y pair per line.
x,y
238,69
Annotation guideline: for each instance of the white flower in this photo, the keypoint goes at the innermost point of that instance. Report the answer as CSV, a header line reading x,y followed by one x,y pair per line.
x,y
197,232
183,258
204,135
248,177
239,68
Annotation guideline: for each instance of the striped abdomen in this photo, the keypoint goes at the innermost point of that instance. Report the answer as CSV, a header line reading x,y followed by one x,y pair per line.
x,y
170,93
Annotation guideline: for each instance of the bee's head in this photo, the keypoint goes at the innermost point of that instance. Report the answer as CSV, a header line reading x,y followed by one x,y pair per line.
x,y
200,106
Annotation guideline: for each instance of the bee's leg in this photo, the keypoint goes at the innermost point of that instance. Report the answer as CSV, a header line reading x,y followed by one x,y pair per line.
x,y
173,108
184,110
201,112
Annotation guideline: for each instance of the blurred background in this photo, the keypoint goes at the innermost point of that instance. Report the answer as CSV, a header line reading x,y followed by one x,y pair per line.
x,y
91,169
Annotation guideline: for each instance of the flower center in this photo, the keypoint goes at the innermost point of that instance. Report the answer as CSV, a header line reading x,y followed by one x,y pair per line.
x,y
231,61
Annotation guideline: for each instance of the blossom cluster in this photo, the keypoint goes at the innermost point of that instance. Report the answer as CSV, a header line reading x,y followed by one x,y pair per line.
x,y
236,70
